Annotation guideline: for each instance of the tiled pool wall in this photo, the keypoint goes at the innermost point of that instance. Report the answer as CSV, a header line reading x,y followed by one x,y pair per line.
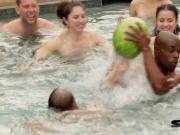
x,y
48,7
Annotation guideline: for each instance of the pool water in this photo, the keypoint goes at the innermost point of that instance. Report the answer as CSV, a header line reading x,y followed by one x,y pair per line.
x,y
130,108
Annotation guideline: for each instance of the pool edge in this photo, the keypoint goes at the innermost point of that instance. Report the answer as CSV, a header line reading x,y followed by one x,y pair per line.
x,y
48,7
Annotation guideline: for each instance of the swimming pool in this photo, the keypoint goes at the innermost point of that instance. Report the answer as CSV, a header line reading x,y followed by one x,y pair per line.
x,y
131,108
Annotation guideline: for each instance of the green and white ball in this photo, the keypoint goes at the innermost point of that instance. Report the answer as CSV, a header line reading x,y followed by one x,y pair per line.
x,y
123,47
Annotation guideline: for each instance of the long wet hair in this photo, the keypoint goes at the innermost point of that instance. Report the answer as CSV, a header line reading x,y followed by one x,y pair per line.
x,y
167,7
65,8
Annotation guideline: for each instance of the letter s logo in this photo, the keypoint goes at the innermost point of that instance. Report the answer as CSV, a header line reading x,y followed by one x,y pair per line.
x,y
175,123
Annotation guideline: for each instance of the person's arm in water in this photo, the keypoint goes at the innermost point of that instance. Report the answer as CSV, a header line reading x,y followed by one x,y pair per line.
x,y
40,53
48,48
101,41
159,82
119,66
115,73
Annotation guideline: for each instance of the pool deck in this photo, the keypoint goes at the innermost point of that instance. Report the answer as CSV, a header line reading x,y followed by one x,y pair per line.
x,y
46,6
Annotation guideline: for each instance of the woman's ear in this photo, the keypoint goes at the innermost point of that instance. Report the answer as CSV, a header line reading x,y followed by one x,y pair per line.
x,y
65,20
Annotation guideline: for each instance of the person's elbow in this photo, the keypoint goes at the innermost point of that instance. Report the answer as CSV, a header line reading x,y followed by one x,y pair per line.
x,y
159,89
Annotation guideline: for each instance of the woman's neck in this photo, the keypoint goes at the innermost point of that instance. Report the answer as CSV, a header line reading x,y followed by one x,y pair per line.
x,y
74,35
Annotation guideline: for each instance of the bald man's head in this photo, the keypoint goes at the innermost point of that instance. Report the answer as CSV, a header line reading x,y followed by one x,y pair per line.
x,y
166,38
61,99
166,51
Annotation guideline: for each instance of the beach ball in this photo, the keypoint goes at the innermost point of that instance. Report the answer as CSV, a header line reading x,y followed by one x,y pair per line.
x,y
123,47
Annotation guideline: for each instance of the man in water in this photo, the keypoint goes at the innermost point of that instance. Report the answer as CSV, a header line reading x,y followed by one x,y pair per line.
x,y
160,68
28,21
62,100
146,8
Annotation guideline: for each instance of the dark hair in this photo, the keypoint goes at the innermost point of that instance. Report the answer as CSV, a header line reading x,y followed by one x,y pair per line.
x,y
18,2
65,8
169,7
60,99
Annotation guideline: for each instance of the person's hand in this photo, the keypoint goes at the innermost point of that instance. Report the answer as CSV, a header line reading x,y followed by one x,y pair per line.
x,y
25,65
139,37
173,81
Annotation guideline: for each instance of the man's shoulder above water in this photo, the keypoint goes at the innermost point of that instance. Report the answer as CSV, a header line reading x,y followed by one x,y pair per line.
x,y
17,26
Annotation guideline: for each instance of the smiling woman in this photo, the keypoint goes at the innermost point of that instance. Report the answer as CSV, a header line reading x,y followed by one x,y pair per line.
x,y
28,21
75,38
167,19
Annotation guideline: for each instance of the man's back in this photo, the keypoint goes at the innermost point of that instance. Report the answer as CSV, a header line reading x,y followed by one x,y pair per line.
x,y
146,8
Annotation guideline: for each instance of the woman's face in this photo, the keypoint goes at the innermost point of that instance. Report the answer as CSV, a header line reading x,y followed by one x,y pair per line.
x,y
76,19
166,21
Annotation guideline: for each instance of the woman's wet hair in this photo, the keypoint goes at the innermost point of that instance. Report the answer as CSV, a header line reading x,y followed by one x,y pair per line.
x,y
60,99
65,8
167,7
